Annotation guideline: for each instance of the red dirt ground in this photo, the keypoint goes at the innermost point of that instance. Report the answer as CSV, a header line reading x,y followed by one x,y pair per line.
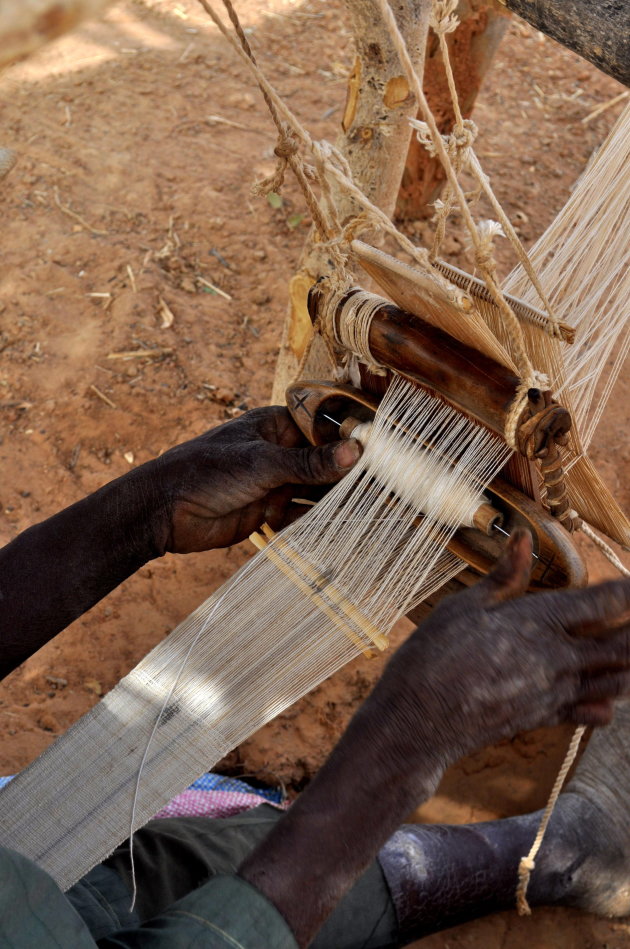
x,y
117,124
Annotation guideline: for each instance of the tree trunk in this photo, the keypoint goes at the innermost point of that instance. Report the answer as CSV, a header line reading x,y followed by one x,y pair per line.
x,y
375,140
471,47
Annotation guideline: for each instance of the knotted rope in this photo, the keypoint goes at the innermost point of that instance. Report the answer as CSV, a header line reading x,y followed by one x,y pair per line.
x,y
443,20
329,163
348,316
481,240
528,863
542,430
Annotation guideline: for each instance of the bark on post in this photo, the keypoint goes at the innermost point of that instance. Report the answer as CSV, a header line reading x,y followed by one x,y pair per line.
x,y
598,30
471,47
375,139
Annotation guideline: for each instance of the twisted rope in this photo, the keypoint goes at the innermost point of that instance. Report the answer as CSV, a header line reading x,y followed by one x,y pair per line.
x,y
351,327
607,551
442,21
528,863
480,242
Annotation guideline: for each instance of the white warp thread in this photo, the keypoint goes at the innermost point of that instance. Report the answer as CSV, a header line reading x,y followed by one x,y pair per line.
x,y
253,648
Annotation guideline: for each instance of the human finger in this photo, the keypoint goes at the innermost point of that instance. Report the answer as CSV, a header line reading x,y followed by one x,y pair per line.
x,y
322,464
274,424
608,685
591,713
279,507
510,575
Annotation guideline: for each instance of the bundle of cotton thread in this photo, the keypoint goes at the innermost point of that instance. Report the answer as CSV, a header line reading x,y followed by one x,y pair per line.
x,y
422,480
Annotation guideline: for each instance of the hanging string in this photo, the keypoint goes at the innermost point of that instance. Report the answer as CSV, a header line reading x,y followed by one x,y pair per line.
x,y
460,146
528,864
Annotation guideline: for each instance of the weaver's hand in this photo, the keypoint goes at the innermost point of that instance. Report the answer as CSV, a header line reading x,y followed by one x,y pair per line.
x,y
486,664
490,662
223,485
209,492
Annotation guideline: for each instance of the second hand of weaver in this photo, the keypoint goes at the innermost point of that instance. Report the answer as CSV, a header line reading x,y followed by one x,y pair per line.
x,y
486,663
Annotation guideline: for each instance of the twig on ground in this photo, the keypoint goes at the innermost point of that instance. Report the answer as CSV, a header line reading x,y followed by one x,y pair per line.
x,y
215,289
168,317
605,105
74,215
102,396
141,353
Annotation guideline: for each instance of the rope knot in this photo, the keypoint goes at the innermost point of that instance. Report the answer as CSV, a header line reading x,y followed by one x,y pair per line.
x,y
544,426
544,422
484,250
287,147
525,868
423,134
463,136
484,258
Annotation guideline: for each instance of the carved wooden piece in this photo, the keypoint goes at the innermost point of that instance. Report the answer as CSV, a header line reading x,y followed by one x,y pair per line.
x,y
558,564
473,383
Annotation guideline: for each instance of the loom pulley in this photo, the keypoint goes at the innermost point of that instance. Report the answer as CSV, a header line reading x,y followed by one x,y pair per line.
x,y
475,384
324,410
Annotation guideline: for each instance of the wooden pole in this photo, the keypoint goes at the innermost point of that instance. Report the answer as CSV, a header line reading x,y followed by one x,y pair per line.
x,y
471,47
375,139
475,384
598,30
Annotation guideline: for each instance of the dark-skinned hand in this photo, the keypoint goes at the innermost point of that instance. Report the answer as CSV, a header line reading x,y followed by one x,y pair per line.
x,y
209,492
489,662
221,486
486,664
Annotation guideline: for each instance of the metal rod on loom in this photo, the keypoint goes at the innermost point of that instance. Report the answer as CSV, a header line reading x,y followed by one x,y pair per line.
x,y
495,526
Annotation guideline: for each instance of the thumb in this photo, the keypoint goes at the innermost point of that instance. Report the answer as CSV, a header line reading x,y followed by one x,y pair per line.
x,y
321,465
510,575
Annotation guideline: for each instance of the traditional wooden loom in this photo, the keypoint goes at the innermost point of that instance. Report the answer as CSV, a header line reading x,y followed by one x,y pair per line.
x,y
482,424
480,388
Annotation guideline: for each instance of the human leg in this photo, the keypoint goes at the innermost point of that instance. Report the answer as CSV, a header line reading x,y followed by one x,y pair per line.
x,y
173,856
428,877
440,876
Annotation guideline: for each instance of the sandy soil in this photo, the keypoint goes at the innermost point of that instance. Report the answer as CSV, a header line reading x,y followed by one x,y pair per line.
x,y
138,138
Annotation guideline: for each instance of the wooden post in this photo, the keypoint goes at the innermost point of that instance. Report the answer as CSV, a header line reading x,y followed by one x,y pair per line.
x,y
375,140
598,30
471,47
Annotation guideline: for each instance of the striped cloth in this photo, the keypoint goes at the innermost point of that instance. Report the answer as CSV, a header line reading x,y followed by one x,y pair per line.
x,y
213,795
